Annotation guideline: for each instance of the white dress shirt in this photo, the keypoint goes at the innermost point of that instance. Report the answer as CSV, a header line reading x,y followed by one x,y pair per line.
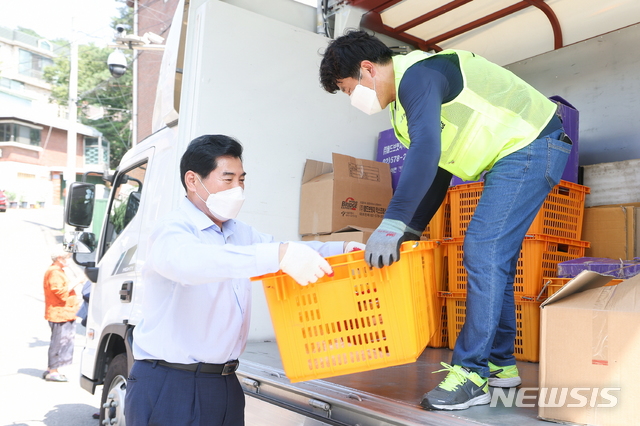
x,y
196,304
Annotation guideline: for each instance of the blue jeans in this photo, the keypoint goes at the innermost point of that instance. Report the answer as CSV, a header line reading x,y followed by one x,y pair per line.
x,y
514,191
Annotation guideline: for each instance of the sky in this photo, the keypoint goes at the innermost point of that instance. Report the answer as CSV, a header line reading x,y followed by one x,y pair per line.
x,y
53,18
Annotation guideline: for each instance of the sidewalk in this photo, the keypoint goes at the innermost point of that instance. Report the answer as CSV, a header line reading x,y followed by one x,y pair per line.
x,y
28,235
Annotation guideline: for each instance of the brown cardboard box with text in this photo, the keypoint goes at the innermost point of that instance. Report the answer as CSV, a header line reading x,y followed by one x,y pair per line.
x,y
351,192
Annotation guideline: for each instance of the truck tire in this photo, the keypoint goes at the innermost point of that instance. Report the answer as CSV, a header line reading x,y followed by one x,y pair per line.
x,y
114,391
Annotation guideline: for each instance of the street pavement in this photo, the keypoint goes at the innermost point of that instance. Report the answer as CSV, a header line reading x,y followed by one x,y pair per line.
x,y
27,237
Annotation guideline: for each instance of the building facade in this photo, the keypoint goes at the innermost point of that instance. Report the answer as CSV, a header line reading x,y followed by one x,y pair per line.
x,y
33,131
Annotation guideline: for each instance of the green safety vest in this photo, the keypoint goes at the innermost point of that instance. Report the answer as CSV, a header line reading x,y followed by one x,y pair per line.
x,y
495,114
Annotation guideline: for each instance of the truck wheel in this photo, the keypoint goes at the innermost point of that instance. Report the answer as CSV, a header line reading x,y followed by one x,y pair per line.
x,y
114,391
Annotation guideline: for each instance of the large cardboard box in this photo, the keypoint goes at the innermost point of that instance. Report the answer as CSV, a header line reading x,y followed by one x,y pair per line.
x,y
612,231
589,351
349,192
350,233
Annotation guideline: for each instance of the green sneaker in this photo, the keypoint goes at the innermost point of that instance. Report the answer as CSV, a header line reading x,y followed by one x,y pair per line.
x,y
504,377
461,389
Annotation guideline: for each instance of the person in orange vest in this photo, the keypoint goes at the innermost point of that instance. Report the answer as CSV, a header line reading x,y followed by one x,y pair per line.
x,y
61,305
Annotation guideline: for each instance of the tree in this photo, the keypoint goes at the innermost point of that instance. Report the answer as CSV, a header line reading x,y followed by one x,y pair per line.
x,y
96,87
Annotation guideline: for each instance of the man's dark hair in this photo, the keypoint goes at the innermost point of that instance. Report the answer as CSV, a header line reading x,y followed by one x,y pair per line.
x,y
203,152
343,57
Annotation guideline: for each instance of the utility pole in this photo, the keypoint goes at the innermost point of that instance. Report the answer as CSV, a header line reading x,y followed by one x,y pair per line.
x,y
134,82
70,172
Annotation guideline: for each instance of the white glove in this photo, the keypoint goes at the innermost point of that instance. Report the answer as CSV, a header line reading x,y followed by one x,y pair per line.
x,y
353,246
304,264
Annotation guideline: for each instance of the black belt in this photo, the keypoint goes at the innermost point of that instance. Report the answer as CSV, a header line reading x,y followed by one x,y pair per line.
x,y
223,369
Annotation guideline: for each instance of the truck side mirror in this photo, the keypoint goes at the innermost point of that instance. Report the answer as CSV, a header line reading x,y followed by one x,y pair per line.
x,y
79,207
80,242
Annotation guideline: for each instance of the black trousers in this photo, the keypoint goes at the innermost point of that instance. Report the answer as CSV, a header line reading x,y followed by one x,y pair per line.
x,y
164,396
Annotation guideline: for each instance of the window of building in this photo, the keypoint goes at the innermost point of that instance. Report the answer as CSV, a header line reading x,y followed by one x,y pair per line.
x,y
14,132
45,44
10,84
32,64
96,151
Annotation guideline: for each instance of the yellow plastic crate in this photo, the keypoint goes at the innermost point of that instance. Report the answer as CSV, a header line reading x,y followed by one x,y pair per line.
x,y
555,284
360,319
560,216
440,338
527,341
539,258
440,225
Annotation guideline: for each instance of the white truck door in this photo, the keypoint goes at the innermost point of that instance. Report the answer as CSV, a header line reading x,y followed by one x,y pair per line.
x,y
112,294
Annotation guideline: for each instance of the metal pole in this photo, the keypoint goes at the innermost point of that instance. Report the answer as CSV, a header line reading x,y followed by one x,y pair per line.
x,y
70,172
134,83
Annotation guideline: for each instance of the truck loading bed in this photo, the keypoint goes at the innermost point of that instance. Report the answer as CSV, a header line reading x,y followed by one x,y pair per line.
x,y
378,397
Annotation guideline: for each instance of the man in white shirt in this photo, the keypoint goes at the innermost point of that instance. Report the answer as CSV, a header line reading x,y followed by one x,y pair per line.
x,y
197,303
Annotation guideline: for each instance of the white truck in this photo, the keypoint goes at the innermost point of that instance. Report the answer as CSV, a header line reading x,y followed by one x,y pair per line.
x,y
232,71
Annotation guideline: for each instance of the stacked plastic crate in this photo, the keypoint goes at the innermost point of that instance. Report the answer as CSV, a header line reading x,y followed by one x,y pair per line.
x,y
553,237
438,230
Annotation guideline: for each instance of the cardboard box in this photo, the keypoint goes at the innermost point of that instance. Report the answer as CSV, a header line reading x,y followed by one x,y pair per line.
x,y
589,351
349,192
612,231
350,233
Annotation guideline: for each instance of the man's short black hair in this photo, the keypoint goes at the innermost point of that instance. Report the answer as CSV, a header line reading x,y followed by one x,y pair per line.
x,y
343,57
203,152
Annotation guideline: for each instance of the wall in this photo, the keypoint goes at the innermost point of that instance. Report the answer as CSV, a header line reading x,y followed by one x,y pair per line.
x,y
55,148
265,92
601,78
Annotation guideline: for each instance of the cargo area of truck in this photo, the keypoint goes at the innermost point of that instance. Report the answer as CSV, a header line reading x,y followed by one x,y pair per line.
x,y
377,397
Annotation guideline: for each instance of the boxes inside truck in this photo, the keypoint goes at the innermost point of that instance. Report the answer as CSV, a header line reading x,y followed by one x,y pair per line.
x,y
348,192
589,350
612,231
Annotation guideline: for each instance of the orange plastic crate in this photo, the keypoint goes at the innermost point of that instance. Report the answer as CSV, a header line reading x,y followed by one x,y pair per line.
x,y
560,215
360,319
440,225
539,258
555,284
440,337
527,342
463,200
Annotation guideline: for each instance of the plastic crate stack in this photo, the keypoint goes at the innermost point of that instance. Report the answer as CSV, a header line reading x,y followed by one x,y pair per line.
x,y
439,230
553,237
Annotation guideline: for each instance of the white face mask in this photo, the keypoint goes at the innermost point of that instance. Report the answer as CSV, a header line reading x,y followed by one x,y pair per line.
x,y
365,99
224,205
